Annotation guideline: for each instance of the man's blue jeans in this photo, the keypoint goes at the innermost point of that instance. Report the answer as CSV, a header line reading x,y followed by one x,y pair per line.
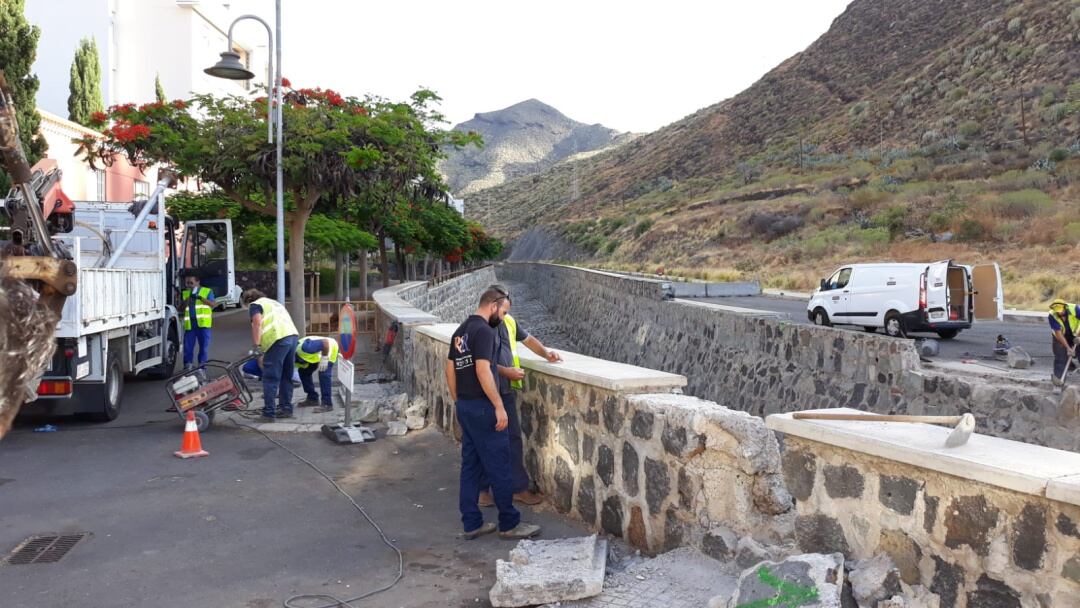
x,y
485,453
278,363
201,335
325,379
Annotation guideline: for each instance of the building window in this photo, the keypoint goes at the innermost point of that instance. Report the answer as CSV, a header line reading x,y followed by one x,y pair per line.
x,y
142,190
99,185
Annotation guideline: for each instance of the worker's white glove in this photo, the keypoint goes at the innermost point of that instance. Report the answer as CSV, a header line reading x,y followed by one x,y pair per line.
x,y
323,364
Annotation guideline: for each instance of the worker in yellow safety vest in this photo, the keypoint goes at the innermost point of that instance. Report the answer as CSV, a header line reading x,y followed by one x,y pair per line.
x,y
1064,327
317,354
510,376
197,309
274,337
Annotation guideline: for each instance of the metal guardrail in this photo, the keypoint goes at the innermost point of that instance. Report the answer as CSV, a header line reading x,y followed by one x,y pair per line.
x,y
442,278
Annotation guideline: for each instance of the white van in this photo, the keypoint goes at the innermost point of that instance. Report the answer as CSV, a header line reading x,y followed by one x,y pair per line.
x,y
941,297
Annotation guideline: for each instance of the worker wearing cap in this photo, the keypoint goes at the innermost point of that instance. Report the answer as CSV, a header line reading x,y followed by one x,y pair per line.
x,y
317,354
1065,326
274,335
197,308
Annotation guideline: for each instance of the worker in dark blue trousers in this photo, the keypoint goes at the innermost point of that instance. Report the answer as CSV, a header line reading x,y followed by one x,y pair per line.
x,y
197,308
485,442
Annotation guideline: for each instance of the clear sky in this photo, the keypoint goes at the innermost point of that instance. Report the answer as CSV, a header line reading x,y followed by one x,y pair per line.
x,y
633,66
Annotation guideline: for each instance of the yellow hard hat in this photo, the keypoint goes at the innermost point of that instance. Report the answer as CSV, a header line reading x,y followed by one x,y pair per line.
x,y
1058,304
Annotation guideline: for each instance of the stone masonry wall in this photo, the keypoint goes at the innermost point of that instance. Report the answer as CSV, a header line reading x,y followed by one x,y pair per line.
x,y
661,470
764,365
453,300
974,545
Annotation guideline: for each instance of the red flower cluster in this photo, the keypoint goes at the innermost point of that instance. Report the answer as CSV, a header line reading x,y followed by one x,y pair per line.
x,y
328,96
99,118
125,132
359,110
157,105
453,256
122,109
285,82
179,104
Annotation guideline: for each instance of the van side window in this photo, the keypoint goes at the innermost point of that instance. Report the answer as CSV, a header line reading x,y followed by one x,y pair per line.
x,y
842,278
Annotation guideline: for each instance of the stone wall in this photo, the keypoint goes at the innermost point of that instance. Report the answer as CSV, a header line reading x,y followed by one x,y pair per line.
x,y
766,365
619,448
990,524
453,300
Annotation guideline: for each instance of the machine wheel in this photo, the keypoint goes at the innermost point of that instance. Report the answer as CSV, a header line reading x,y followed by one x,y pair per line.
x,y
821,318
203,420
112,392
870,329
168,366
894,325
947,334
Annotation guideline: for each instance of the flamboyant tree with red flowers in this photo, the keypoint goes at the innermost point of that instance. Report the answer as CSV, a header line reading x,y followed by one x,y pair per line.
x,y
335,148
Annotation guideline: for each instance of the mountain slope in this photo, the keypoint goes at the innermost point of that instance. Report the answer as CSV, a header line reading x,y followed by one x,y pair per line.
x,y
520,140
907,120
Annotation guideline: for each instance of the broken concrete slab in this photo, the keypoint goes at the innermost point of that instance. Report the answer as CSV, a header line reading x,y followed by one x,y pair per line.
x,y
415,423
367,411
874,579
1018,358
543,571
418,407
396,428
682,578
811,580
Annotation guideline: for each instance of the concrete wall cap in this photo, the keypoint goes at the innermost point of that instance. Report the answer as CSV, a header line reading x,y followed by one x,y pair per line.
x,y
1017,466
390,302
580,368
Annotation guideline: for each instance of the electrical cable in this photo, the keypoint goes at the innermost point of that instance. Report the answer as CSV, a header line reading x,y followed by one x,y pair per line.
x,y
335,601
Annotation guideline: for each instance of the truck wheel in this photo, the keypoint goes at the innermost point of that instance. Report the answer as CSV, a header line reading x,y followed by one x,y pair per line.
x,y
947,334
112,391
821,318
894,325
168,365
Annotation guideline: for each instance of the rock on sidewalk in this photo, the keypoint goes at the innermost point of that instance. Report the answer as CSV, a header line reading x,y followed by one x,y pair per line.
x,y
874,579
811,580
1018,358
545,571
396,428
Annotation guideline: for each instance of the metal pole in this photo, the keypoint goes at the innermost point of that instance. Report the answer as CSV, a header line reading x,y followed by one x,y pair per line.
x,y
269,69
280,176
348,287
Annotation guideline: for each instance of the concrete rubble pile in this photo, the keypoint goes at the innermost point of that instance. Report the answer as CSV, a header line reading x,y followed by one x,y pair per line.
x,y
550,571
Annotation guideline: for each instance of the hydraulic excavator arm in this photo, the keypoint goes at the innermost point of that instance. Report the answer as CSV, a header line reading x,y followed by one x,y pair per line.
x,y
36,273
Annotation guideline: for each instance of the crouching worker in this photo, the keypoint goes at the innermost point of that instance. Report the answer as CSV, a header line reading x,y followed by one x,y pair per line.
x,y
485,442
317,354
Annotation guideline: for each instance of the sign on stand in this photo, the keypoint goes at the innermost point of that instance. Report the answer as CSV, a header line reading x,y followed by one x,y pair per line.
x,y
343,390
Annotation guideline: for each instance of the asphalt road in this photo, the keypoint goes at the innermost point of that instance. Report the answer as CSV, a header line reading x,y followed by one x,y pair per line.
x,y
247,526
971,343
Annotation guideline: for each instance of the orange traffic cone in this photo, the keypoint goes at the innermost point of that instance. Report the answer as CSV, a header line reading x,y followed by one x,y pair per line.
x,y
192,446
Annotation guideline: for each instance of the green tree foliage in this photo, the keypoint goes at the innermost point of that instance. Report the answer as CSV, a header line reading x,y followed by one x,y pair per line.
x,y
332,235
159,91
84,97
18,49
378,154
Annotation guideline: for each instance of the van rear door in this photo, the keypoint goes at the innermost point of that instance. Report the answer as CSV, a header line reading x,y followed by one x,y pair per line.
x,y
937,291
989,292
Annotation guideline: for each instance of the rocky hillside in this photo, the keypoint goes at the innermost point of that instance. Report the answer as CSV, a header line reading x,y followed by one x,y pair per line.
x,y
521,140
912,128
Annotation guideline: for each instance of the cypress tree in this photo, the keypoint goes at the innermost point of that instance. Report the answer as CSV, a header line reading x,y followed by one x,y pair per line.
x,y
85,85
159,91
18,49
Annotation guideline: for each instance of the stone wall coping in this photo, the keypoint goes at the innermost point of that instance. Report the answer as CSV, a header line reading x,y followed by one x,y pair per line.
x,y
389,300
1021,467
580,368
739,310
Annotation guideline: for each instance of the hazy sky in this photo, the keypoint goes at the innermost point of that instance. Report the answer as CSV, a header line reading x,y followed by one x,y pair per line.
x,y
631,66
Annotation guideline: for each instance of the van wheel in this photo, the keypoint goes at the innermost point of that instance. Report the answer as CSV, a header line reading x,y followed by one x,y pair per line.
x,y
821,318
947,334
870,329
894,325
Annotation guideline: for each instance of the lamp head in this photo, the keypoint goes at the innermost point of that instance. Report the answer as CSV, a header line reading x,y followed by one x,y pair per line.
x,y
230,68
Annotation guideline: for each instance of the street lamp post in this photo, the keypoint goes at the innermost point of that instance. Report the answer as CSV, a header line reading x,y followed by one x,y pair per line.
x,y
230,68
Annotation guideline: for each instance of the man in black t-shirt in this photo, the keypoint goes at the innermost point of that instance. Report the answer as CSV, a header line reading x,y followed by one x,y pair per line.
x,y
485,442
